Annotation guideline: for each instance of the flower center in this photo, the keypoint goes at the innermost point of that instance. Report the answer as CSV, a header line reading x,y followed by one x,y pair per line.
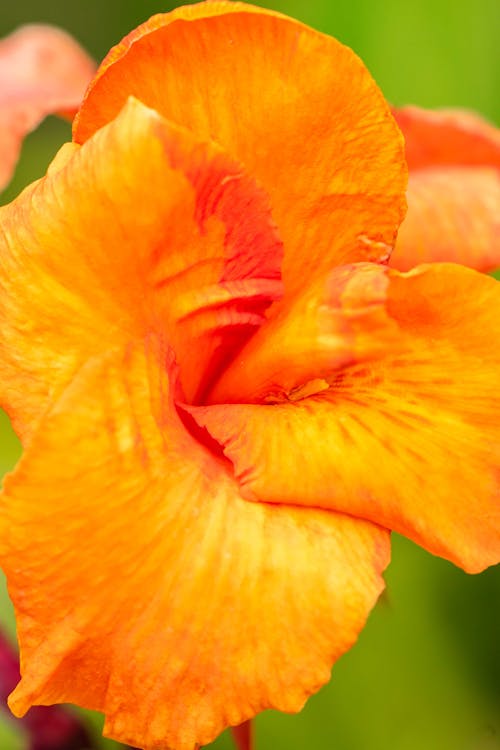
x,y
310,388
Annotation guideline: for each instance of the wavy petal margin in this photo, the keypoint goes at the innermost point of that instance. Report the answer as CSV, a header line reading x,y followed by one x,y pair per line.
x,y
176,607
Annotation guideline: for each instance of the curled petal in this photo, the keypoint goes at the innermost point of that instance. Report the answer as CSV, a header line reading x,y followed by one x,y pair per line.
x,y
453,215
332,324
407,437
171,597
296,107
43,71
165,253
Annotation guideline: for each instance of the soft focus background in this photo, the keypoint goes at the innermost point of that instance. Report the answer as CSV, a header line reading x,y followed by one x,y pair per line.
x,y
426,670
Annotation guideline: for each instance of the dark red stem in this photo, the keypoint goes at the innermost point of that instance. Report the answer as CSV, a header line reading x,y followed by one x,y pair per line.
x,y
243,736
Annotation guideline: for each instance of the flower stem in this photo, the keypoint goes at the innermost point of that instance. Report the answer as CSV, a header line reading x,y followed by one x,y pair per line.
x,y
243,736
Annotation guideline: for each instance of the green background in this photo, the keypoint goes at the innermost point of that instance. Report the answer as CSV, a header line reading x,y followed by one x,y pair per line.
x,y
426,670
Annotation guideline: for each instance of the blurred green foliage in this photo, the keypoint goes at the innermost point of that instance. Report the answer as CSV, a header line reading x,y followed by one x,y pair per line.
x,y
426,670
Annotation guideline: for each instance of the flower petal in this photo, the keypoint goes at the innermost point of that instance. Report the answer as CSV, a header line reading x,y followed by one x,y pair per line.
x,y
408,438
42,71
447,137
181,242
453,192
453,215
176,607
332,324
297,108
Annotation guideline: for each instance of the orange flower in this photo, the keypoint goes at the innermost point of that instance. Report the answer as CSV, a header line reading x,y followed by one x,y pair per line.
x,y
42,71
453,192
226,399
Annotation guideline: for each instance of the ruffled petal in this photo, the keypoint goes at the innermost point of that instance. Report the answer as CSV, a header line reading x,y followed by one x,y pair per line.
x,y
176,607
297,108
453,192
42,71
453,215
141,229
407,437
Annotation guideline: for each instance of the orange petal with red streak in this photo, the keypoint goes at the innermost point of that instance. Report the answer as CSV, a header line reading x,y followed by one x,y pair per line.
x,y
408,438
181,242
296,107
176,607
43,71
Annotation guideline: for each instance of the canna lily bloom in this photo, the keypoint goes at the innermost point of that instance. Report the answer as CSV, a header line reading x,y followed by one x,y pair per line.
x,y
226,398
453,191
42,71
